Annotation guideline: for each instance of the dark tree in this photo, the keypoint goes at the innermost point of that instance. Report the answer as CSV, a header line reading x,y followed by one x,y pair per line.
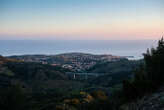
x,y
154,64
149,76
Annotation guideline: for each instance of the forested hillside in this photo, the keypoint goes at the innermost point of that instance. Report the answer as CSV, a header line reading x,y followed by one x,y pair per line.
x,y
114,72
34,77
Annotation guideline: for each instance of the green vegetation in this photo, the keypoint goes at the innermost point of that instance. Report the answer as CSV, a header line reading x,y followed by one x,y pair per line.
x,y
36,86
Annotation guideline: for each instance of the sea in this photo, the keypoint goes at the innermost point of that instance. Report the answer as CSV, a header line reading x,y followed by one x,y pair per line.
x,y
132,48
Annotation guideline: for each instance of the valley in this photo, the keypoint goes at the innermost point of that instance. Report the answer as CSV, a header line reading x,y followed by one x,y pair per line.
x,y
46,72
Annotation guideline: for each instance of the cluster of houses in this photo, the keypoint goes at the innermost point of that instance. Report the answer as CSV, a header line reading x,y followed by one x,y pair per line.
x,y
74,61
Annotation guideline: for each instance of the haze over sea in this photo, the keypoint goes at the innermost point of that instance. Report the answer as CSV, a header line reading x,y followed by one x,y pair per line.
x,y
115,47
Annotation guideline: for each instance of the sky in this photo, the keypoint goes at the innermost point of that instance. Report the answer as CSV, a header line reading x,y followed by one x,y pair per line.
x,y
81,19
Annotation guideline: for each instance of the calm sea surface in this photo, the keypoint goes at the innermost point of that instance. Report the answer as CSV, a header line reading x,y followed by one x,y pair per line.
x,y
115,47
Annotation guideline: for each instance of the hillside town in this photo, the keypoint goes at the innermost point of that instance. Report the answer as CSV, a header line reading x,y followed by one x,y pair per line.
x,y
76,62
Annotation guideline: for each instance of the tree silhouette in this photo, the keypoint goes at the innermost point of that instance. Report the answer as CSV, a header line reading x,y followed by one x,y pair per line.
x,y
148,77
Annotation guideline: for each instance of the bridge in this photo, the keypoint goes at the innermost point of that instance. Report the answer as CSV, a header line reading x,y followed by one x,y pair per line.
x,y
86,75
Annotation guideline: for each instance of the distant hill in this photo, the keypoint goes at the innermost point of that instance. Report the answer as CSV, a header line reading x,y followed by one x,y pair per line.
x,y
73,61
4,69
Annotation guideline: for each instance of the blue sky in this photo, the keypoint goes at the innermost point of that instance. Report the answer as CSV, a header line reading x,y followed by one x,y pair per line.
x,y
81,19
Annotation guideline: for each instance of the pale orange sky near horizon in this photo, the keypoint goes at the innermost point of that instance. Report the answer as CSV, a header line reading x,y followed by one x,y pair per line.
x,y
82,20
